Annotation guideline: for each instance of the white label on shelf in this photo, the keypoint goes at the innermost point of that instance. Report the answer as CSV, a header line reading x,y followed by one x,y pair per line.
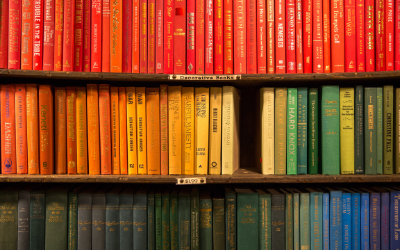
x,y
191,181
205,77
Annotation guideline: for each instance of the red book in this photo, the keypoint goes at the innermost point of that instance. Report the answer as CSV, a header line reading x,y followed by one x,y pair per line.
x,y
151,54
199,41
239,36
105,42
318,43
46,130
327,36
136,36
38,36
8,138
261,38
191,38
228,40
143,36
68,38
48,43
350,37
369,36
290,37
78,43
337,35
179,37
389,35
127,36
270,37
299,37
96,36
14,34
209,37
27,35
164,128
105,133
169,37
219,36
159,36
251,36
4,34
87,7
360,35
58,34
397,37
380,35
20,129
307,36
280,38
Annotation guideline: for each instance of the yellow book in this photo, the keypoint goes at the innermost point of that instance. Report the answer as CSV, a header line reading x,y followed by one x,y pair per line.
x,y
215,124
174,129
267,130
347,130
115,131
141,130
131,127
202,100
188,145
81,131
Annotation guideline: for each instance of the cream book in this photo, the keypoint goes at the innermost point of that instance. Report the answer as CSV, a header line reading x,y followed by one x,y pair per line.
x,y
188,146
230,130
267,130
214,154
174,129
202,104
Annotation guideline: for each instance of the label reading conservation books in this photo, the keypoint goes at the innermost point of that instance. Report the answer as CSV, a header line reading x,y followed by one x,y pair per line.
x,y
205,77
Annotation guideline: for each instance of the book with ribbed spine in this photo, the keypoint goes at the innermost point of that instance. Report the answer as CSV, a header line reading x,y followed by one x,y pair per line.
x,y
9,220
292,115
346,213
289,219
175,130
23,219
214,153
173,219
20,129
313,131
359,130
280,130
205,231
112,218
370,128
46,154
302,136
105,133
123,140
153,130
264,224
379,130
37,219
346,130
267,130
93,128
8,153
71,130
57,219
60,128
188,131
388,129
140,218
184,218
99,219
126,219
194,219
131,130
202,100
32,128
115,136
81,131
84,231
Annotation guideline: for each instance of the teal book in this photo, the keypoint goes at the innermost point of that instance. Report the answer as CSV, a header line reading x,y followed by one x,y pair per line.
x,y
316,219
157,208
305,221
57,207
72,220
302,137
206,220
218,220
296,221
126,219
330,130
151,240
184,218
247,219
37,219
140,218
379,131
9,219
173,219
230,218
288,219
165,220
370,125
99,219
194,219
112,218
388,135
264,220
291,166
85,217
313,131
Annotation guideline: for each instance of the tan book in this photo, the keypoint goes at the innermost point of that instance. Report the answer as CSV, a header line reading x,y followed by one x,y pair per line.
x,y
280,130
214,154
267,130
188,128
202,104
153,131
174,129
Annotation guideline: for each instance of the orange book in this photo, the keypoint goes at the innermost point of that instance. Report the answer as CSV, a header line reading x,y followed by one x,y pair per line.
x,y
32,128
46,154
20,121
93,128
60,130
131,128
135,36
115,130
188,145
153,130
123,147
116,37
8,139
175,128
81,132
105,141
164,128
71,134
141,130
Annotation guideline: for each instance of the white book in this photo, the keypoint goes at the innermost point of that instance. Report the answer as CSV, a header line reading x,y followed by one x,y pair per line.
x,y
267,130
214,161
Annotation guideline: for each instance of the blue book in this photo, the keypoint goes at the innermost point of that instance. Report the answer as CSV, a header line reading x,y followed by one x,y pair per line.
x,y
364,221
126,219
140,219
316,220
346,213
302,109
355,221
335,219
385,221
394,219
375,220
112,218
325,219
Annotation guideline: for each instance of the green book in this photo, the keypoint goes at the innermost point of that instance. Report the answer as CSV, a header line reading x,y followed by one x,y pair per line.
x,y
247,217
370,125
173,219
388,129
304,220
288,219
296,221
151,234
157,206
302,119
58,214
230,218
184,218
218,220
165,220
292,131
37,219
397,133
280,130
313,131
330,130
379,131
9,218
206,220
194,219
264,220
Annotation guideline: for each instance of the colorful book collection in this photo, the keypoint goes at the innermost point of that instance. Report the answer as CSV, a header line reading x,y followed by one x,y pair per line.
x,y
101,129
165,217
332,130
201,37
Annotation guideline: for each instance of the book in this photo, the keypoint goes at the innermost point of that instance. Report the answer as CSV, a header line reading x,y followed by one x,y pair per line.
x,y
151,36
48,35
23,219
369,36
337,36
280,37
84,231
184,218
87,7
8,137
374,219
359,131
127,27
270,36
14,34
96,36
292,115
99,219
289,229
60,116
290,36
393,227
179,36
355,220
308,36
318,37
302,136
9,223
105,36
78,35
389,35
396,168
126,218
385,219
81,131
264,219
280,130
370,130
218,220
115,135
188,149
346,213
397,41
136,36
123,139
20,129
267,130
277,219
57,218
37,219
38,35
239,37
350,58
72,229
316,222
380,35
94,128
157,207
159,36
46,154
202,113
153,130
141,130
104,126
296,218
304,220
346,130
214,152
165,230
191,37
112,218
230,218
247,211
209,41
26,35
360,36
199,36
194,218
313,131
140,218
164,128
174,221
218,37
326,22
379,131
116,35
131,127
261,37
335,219
151,243
251,29
388,129
206,225
168,37
71,130
32,128
325,219
299,36
174,132
68,36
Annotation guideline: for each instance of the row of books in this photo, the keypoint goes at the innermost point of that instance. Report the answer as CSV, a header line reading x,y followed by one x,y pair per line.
x,y
98,129
344,130
201,37
162,217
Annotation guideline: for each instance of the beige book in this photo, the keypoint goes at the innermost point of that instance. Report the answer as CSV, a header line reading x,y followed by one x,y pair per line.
x,y
174,129
215,125
267,130
188,127
202,104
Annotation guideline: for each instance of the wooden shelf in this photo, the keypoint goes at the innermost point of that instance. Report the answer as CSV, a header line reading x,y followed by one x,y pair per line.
x,y
241,176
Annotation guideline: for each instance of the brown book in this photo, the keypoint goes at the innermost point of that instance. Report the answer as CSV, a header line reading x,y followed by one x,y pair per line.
x,y
71,130
60,130
81,132
32,118
93,128
153,130
46,154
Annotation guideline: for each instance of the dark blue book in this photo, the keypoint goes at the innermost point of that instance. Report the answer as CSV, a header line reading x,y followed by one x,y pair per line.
x,y
184,218
151,233
375,220
316,210
394,220
359,131
346,215
37,219
140,219
85,218
364,221
126,219
230,218
335,219
23,219
99,219
385,216
355,220
112,218
325,219
302,109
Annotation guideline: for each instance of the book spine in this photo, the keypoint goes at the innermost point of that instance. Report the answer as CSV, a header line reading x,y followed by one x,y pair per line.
x,y
360,35
389,35
98,221
164,128
159,36
218,226
239,37
316,220
179,36
200,39
370,130
57,206
184,220
115,133
318,33
58,35
153,130
219,36
350,36
292,115
313,131
151,222
280,37
60,130
267,130
244,238
355,221
32,128
105,34
131,127
81,131
347,130
8,154
206,224
165,231
116,37
251,29
68,36
388,129
174,224
188,151
302,109
214,160
385,216
14,34
123,142
127,26
379,130
394,227
299,37
104,118
112,221
23,220
397,132
346,213
169,37
375,220
158,238
48,36
364,221
264,226
397,36
191,37
202,101
335,220
209,43
26,35
84,218
72,220
93,128
230,219
37,219
135,36
4,35
151,36
270,37
325,219
289,221
261,37
337,35
369,36
20,129
46,130
71,130
194,220
308,36
38,35
326,21
174,133
277,217
96,36
281,104
290,36
359,131
305,221
380,35
296,219
87,7
141,130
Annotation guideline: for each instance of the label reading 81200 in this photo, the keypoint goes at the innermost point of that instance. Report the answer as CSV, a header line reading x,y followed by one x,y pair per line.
x,y
190,181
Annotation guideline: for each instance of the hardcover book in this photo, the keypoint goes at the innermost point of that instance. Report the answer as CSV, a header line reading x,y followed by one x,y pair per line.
x,y
388,129
380,36
308,36
201,131
153,130
218,37
264,224
379,130
164,128
115,135
123,140
8,139
32,128
239,37
350,36
318,36
140,218
112,218
280,36
68,36
277,219
359,131
347,130
105,36
81,131
247,211
360,36
184,218
93,128
267,130
313,131
337,35
96,36
292,131
214,153
23,219
209,37
251,29
280,130
174,132
131,127
60,130
179,37
37,219
206,212
9,222
302,136
46,154
290,36
141,130
20,129
188,144
14,34
369,36
104,125
57,218
71,130
200,38
26,35
370,127
230,217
